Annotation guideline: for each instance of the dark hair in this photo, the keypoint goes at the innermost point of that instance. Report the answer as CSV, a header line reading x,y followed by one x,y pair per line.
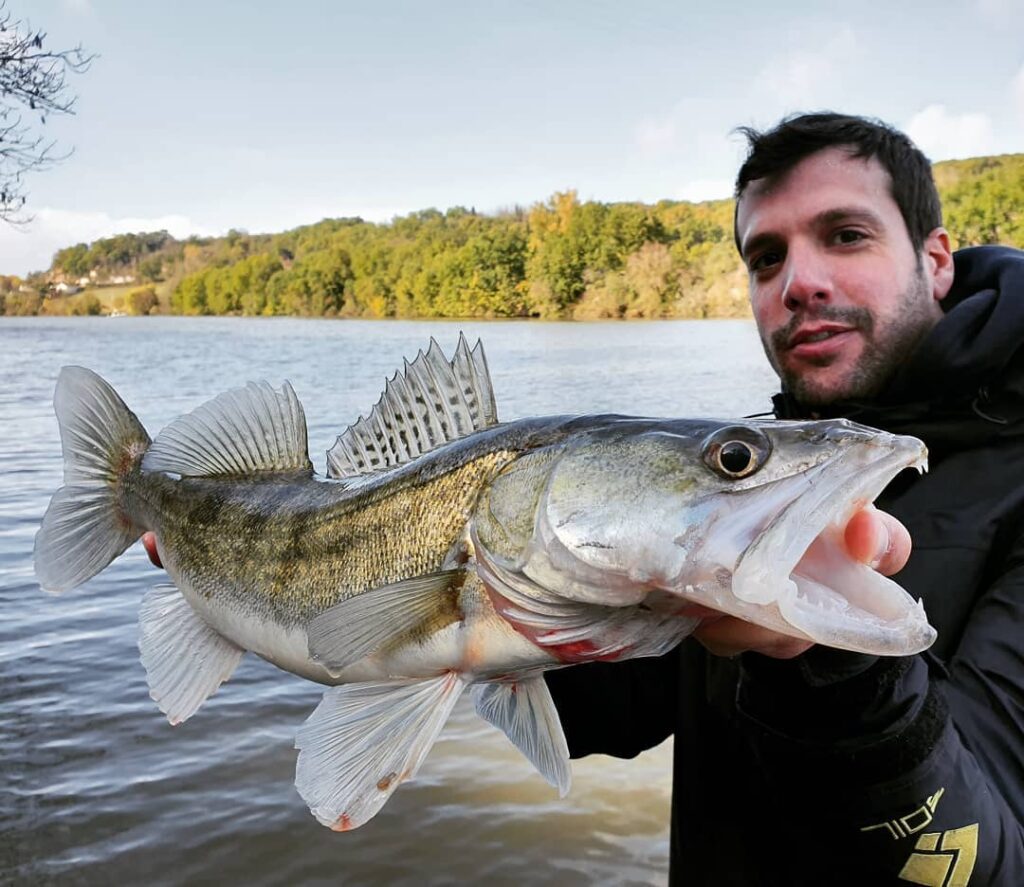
x,y
774,153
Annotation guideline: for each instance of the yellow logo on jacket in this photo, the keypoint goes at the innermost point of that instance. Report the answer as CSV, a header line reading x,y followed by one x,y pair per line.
x,y
940,859
943,859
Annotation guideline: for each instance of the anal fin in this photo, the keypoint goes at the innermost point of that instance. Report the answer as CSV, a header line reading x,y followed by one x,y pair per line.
x,y
363,740
185,659
526,714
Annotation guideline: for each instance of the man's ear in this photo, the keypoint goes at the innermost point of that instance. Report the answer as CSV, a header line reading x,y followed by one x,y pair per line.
x,y
938,261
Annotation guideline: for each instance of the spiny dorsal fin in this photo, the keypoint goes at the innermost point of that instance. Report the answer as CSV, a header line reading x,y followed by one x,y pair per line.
x,y
243,431
431,402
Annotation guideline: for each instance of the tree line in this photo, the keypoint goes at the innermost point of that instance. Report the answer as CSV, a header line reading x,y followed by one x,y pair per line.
x,y
562,258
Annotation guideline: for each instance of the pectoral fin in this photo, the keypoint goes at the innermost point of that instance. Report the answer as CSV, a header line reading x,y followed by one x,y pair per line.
x,y
185,660
526,714
363,740
364,623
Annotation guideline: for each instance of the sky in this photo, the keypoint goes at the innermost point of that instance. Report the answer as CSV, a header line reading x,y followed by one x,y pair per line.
x,y
198,117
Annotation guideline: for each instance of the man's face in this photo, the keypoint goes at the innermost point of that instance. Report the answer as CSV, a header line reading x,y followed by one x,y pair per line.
x,y
838,292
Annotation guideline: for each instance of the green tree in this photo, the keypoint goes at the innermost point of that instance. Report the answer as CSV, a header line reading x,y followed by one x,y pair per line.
x,y
142,300
189,296
73,260
151,268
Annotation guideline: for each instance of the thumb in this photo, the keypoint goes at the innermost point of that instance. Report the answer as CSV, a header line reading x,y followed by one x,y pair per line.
x,y
878,540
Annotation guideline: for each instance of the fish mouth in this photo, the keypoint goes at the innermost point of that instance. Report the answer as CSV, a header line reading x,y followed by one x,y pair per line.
x,y
797,577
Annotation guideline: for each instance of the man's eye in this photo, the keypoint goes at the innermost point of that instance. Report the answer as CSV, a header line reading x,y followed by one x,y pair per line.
x,y
849,235
765,261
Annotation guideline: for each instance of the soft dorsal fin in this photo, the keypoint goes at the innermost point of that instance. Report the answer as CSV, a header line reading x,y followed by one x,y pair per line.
x,y
430,402
243,431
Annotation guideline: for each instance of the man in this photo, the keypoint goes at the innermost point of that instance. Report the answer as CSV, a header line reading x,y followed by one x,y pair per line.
x,y
797,766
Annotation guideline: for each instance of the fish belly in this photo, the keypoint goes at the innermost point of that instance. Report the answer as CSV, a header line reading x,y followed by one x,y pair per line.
x,y
482,647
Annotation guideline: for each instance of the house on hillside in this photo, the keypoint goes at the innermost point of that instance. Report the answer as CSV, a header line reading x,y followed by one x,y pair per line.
x,y
121,279
66,289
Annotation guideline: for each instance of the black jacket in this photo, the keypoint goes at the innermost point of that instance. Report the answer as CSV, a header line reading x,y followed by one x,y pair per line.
x,y
836,768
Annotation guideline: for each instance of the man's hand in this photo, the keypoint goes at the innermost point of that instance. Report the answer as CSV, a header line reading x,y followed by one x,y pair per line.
x,y
872,537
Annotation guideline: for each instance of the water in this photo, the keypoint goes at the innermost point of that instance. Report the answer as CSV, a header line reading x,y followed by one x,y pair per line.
x,y
97,788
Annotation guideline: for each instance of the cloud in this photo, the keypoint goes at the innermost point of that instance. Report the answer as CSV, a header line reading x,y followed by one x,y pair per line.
x,y
674,134
692,142
1017,88
805,79
79,7
946,136
657,137
705,189
997,11
31,247
287,217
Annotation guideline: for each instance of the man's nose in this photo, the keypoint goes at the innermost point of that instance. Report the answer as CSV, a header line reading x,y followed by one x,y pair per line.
x,y
805,280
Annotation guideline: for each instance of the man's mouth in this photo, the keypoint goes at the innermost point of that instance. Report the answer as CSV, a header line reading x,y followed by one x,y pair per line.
x,y
818,341
812,334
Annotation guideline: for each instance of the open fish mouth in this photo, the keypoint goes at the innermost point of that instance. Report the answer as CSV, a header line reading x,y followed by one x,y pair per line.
x,y
798,563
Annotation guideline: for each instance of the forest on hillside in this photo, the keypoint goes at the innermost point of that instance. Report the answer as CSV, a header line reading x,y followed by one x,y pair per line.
x,y
562,258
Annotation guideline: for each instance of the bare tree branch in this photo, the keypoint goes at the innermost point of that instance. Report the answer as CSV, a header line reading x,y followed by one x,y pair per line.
x,y
33,83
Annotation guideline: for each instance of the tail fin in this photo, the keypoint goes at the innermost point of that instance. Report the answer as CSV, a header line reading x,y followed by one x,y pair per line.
x,y
86,526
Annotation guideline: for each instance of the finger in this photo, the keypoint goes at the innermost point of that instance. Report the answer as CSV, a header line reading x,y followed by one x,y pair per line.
x,y
730,636
878,540
897,552
149,543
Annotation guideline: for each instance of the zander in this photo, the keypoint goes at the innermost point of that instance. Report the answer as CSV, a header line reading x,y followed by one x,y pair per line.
x,y
447,550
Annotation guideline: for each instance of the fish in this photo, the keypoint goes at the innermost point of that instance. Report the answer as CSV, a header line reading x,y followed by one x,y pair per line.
x,y
445,551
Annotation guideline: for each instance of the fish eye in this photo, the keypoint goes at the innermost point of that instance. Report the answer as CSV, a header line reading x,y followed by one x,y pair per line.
x,y
736,451
735,457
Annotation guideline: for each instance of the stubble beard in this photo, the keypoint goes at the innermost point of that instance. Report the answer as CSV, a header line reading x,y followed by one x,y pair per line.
x,y
883,353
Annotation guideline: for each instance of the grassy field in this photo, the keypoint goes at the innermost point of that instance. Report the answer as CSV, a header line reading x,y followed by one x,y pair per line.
x,y
110,299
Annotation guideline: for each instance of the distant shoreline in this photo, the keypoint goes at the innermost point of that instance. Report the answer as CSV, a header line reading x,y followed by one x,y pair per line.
x,y
559,259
